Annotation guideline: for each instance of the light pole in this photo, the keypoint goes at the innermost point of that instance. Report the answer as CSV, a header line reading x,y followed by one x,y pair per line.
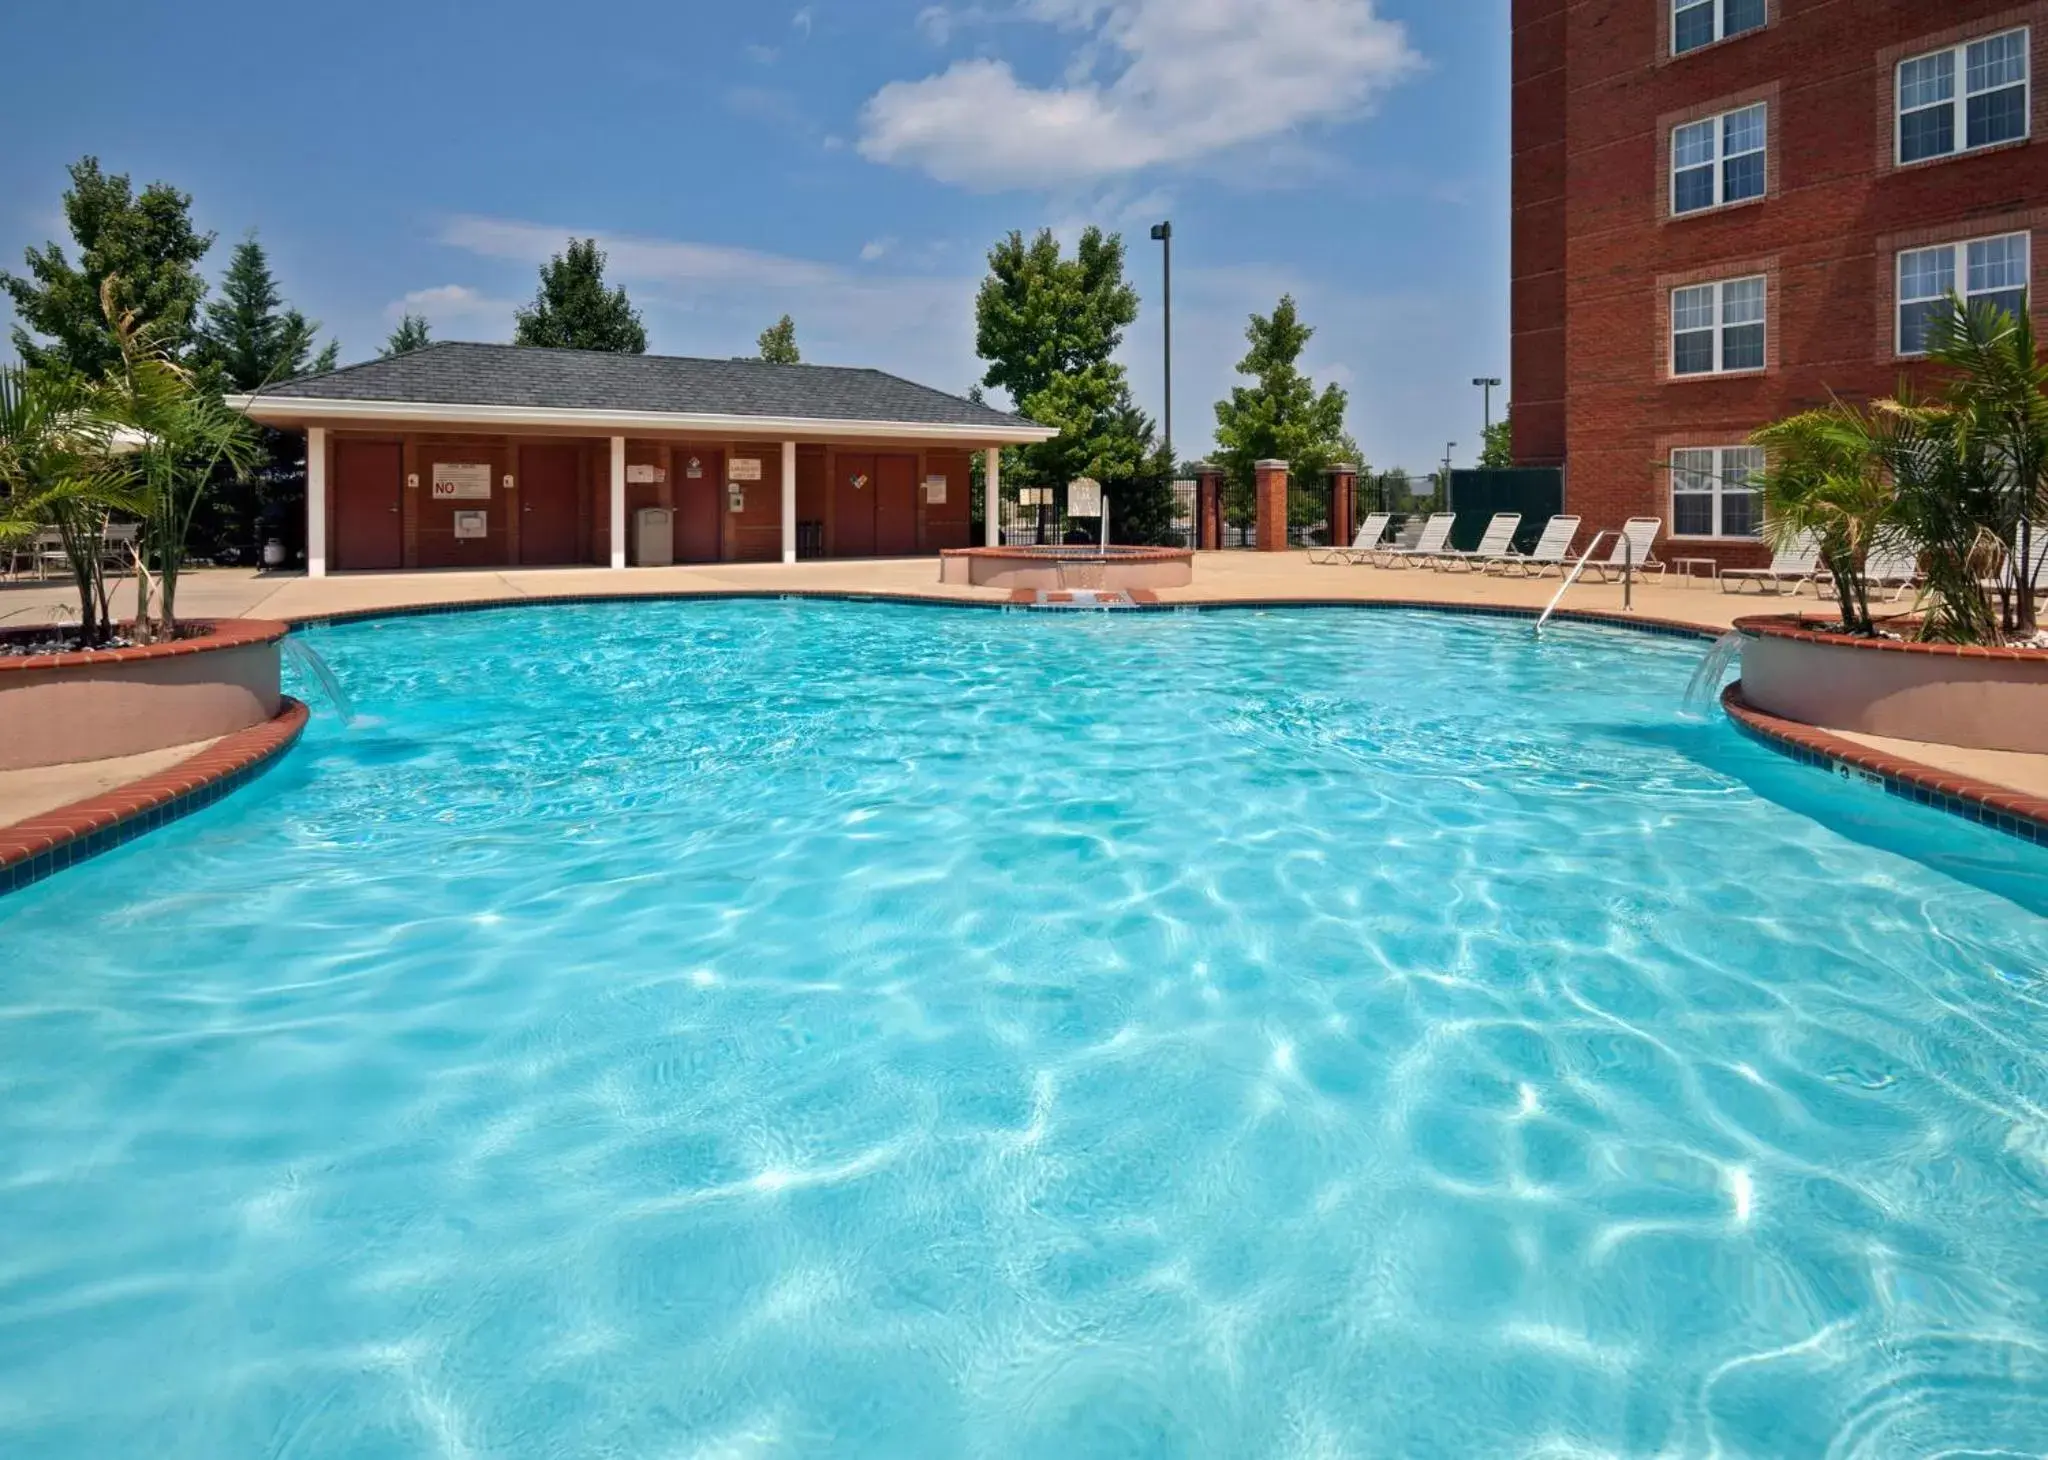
x,y
1449,447
1162,234
1487,383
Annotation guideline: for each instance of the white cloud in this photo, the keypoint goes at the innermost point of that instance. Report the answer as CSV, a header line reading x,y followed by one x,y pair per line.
x,y
1192,78
456,311
876,248
801,22
762,55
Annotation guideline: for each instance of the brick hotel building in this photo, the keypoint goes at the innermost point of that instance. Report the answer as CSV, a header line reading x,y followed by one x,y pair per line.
x,y
1726,209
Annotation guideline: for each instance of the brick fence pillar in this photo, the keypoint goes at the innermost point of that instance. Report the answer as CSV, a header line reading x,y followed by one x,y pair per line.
x,y
1271,477
1208,508
1343,511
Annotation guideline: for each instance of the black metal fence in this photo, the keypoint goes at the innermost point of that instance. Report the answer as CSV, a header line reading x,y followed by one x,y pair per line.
x,y
1154,512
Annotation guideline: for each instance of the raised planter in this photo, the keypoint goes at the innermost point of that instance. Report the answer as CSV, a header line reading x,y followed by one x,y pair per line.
x,y
58,708
1984,699
1068,567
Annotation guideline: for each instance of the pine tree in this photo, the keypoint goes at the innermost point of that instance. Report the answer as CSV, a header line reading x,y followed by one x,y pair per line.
x,y
573,310
411,334
146,243
1280,417
248,336
778,343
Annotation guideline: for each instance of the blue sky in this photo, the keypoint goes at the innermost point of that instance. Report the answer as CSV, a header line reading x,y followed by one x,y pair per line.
x,y
846,161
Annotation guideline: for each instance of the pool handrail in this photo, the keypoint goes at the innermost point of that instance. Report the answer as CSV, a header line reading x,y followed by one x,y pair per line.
x,y
1628,563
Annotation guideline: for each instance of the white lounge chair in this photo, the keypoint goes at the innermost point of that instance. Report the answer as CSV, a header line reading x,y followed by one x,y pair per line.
x,y
1436,535
1552,550
1635,549
1896,567
1796,564
1369,534
2004,583
1497,542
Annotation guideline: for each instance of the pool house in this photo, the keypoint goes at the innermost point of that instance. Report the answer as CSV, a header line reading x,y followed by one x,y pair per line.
x,y
495,456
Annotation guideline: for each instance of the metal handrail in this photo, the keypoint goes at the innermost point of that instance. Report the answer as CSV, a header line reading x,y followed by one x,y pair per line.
x,y
1628,563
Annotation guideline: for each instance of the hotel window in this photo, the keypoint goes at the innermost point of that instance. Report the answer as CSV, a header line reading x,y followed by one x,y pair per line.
x,y
1712,491
1717,329
1992,271
1696,23
1969,96
1720,160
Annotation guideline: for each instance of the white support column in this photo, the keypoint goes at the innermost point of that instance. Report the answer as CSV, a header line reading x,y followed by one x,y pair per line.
x,y
316,501
992,500
789,501
618,502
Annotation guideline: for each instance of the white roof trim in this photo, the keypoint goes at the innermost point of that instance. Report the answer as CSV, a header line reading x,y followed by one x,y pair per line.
x,y
277,410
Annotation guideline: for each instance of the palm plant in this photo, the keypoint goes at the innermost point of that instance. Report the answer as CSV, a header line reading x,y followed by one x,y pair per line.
x,y
182,434
1996,410
1828,479
60,470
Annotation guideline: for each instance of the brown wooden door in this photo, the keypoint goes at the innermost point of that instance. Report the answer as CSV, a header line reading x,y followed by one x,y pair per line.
x,y
547,498
895,506
853,507
700,504
369,527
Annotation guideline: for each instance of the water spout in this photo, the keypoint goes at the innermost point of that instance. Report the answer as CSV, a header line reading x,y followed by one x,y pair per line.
x,y
308,659
1703,692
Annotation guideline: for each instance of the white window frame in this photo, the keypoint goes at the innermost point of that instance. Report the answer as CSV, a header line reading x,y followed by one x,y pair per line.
x,y
1720,328
1960,272
1960,102
1722,157
1721,32
1719,494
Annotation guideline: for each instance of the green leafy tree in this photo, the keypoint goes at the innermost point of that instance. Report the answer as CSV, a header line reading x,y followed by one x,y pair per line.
x,y
249,337
572,310
146,243
778,343
1280,416
1828,480
1498,454
1049,327
411,334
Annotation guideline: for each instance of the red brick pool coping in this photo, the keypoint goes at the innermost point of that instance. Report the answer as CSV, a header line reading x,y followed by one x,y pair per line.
x,y
2013,812
1809,631
34,849
224,633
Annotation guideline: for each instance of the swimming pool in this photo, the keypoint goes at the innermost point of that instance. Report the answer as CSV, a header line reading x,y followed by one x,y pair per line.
x,y
761,1029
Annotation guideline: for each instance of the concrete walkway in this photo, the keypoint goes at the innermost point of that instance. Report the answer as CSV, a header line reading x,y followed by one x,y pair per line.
x,y
1232,577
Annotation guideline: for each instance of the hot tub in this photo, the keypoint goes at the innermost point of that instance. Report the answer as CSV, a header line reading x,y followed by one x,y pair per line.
x,y
1068,567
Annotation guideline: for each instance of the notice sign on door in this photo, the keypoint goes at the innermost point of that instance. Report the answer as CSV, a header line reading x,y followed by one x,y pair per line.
x,y
935,490
462,481
745,469
472,525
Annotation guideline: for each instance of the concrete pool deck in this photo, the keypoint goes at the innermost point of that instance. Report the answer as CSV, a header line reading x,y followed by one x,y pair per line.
x,y
1220,578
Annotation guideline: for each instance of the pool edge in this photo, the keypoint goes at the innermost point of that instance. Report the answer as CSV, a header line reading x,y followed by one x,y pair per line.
x,y
44,845
2012,812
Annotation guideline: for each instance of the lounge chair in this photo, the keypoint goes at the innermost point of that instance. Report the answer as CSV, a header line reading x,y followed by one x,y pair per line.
x,y
1635,550
1552,550
1796,564
1369,534
1896,567
1498,542
1436,536
2004,583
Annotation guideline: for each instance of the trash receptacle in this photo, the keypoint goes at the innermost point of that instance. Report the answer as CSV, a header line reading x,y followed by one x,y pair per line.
x,y
654,537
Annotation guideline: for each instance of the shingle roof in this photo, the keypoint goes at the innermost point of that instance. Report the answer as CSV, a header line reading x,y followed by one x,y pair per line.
x,y
455,374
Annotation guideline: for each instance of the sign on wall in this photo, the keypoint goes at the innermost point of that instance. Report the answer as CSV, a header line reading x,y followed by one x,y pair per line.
x,y
935,490
472,525
695,470
745,469
1084,498
646,473
462,481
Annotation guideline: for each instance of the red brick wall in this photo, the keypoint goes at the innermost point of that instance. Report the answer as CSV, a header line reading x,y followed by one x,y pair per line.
x,y
1595,258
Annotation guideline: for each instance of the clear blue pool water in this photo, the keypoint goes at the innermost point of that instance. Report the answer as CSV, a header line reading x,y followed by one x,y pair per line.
x,y
771,1029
